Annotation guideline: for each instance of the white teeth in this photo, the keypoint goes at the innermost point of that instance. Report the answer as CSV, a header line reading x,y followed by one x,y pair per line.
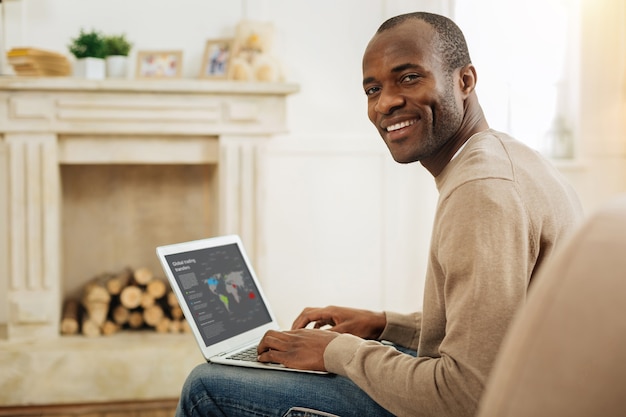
x,y
400,125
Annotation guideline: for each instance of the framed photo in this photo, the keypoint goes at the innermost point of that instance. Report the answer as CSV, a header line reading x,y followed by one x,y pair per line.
x,y
159,64
216,60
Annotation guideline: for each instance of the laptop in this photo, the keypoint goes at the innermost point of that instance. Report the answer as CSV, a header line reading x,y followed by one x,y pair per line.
x,y
221,298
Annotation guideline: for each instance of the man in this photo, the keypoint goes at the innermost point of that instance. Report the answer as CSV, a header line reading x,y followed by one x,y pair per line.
x,y
502,210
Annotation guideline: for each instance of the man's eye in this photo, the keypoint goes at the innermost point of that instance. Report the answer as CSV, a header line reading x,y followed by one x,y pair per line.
x,y
410,78
371,90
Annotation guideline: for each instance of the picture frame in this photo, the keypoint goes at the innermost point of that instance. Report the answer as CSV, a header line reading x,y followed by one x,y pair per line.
x,y
216,59
159,64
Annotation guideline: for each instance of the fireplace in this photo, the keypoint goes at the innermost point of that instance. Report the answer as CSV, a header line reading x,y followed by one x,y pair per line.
x,y
93,176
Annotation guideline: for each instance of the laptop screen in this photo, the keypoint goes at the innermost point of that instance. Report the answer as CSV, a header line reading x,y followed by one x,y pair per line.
x,y
221,295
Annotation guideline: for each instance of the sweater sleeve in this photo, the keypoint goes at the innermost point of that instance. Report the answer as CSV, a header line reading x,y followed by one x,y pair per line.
x,y
402,329
385,373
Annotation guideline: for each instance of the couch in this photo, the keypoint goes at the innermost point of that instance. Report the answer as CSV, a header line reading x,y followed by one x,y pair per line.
x,y
565,353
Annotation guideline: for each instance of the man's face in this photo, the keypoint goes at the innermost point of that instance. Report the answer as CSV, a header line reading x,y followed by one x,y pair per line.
x,y
412,101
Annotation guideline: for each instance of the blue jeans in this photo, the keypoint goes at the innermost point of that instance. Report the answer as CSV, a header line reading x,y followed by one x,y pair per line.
x,y
222,390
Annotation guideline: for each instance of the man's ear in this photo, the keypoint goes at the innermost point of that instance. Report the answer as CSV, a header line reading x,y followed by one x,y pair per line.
x,y
467,79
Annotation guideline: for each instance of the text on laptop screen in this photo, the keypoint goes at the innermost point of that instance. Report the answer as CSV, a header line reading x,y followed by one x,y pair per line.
x,y
220,292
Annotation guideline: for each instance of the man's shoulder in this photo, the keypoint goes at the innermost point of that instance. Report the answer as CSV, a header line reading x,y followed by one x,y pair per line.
x,y
497,159
495,164
498,146
488,154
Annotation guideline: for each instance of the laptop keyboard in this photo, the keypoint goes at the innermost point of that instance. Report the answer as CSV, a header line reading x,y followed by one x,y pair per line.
x,y
249,355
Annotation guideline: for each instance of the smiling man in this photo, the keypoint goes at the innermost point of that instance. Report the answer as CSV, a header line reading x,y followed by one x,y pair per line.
x,y
420,89
502,211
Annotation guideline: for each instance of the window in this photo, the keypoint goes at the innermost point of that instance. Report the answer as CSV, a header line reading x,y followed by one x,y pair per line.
x,y
525,53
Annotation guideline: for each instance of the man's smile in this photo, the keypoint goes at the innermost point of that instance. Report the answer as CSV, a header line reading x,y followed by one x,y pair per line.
x,y
400,125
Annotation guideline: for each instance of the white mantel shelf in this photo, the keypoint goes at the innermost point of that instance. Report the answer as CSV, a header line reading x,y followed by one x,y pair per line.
x,y
47,123
185,107
187,86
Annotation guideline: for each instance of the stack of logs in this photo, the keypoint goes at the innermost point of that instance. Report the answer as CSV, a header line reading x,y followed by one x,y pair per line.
x,y
130,299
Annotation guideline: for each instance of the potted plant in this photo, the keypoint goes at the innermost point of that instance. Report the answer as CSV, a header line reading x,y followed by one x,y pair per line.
x,y
116,49
88,48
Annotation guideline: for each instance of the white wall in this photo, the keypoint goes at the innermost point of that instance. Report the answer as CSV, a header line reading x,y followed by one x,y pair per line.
x,y
319,43
343,223
346,225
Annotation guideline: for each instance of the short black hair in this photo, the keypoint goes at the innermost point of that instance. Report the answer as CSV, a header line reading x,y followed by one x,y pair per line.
x,y
451,43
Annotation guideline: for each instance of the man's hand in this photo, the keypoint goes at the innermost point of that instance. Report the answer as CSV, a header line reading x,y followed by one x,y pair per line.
x,y
363,323
300,349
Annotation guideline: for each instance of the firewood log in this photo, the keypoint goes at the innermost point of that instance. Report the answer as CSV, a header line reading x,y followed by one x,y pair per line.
x,y
163,326
95,289
175,326
130,297
156,288
116,283
135,320
153,315
171,299
147,300
120,315
90,328
109,328
69,321
142,276
176,313
97,312
96,299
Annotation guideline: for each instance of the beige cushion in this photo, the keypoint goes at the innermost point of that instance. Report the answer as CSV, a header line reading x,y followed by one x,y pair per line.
x,y
565,354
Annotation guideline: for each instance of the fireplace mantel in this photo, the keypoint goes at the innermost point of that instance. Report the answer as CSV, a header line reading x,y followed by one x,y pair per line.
x,y
49,122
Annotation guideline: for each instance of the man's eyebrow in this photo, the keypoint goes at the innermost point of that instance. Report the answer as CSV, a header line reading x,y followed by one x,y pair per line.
x,y
405,67
396,69
368,80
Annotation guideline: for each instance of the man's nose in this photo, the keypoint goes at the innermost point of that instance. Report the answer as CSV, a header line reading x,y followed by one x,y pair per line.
x,y
388,101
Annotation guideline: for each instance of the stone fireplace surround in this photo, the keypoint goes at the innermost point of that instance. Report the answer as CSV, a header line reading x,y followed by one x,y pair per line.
x,y
50,123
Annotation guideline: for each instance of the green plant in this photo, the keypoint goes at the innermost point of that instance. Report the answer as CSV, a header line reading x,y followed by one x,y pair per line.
x,y
88,44
117,45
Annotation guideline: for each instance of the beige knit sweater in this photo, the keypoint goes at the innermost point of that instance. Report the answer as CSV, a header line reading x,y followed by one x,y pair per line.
x,y
502,209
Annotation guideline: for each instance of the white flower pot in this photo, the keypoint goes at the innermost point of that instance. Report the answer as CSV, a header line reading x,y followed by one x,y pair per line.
x,y
90,68
116,66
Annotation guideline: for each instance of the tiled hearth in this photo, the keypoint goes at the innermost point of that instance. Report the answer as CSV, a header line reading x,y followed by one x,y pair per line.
x,y
58,135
